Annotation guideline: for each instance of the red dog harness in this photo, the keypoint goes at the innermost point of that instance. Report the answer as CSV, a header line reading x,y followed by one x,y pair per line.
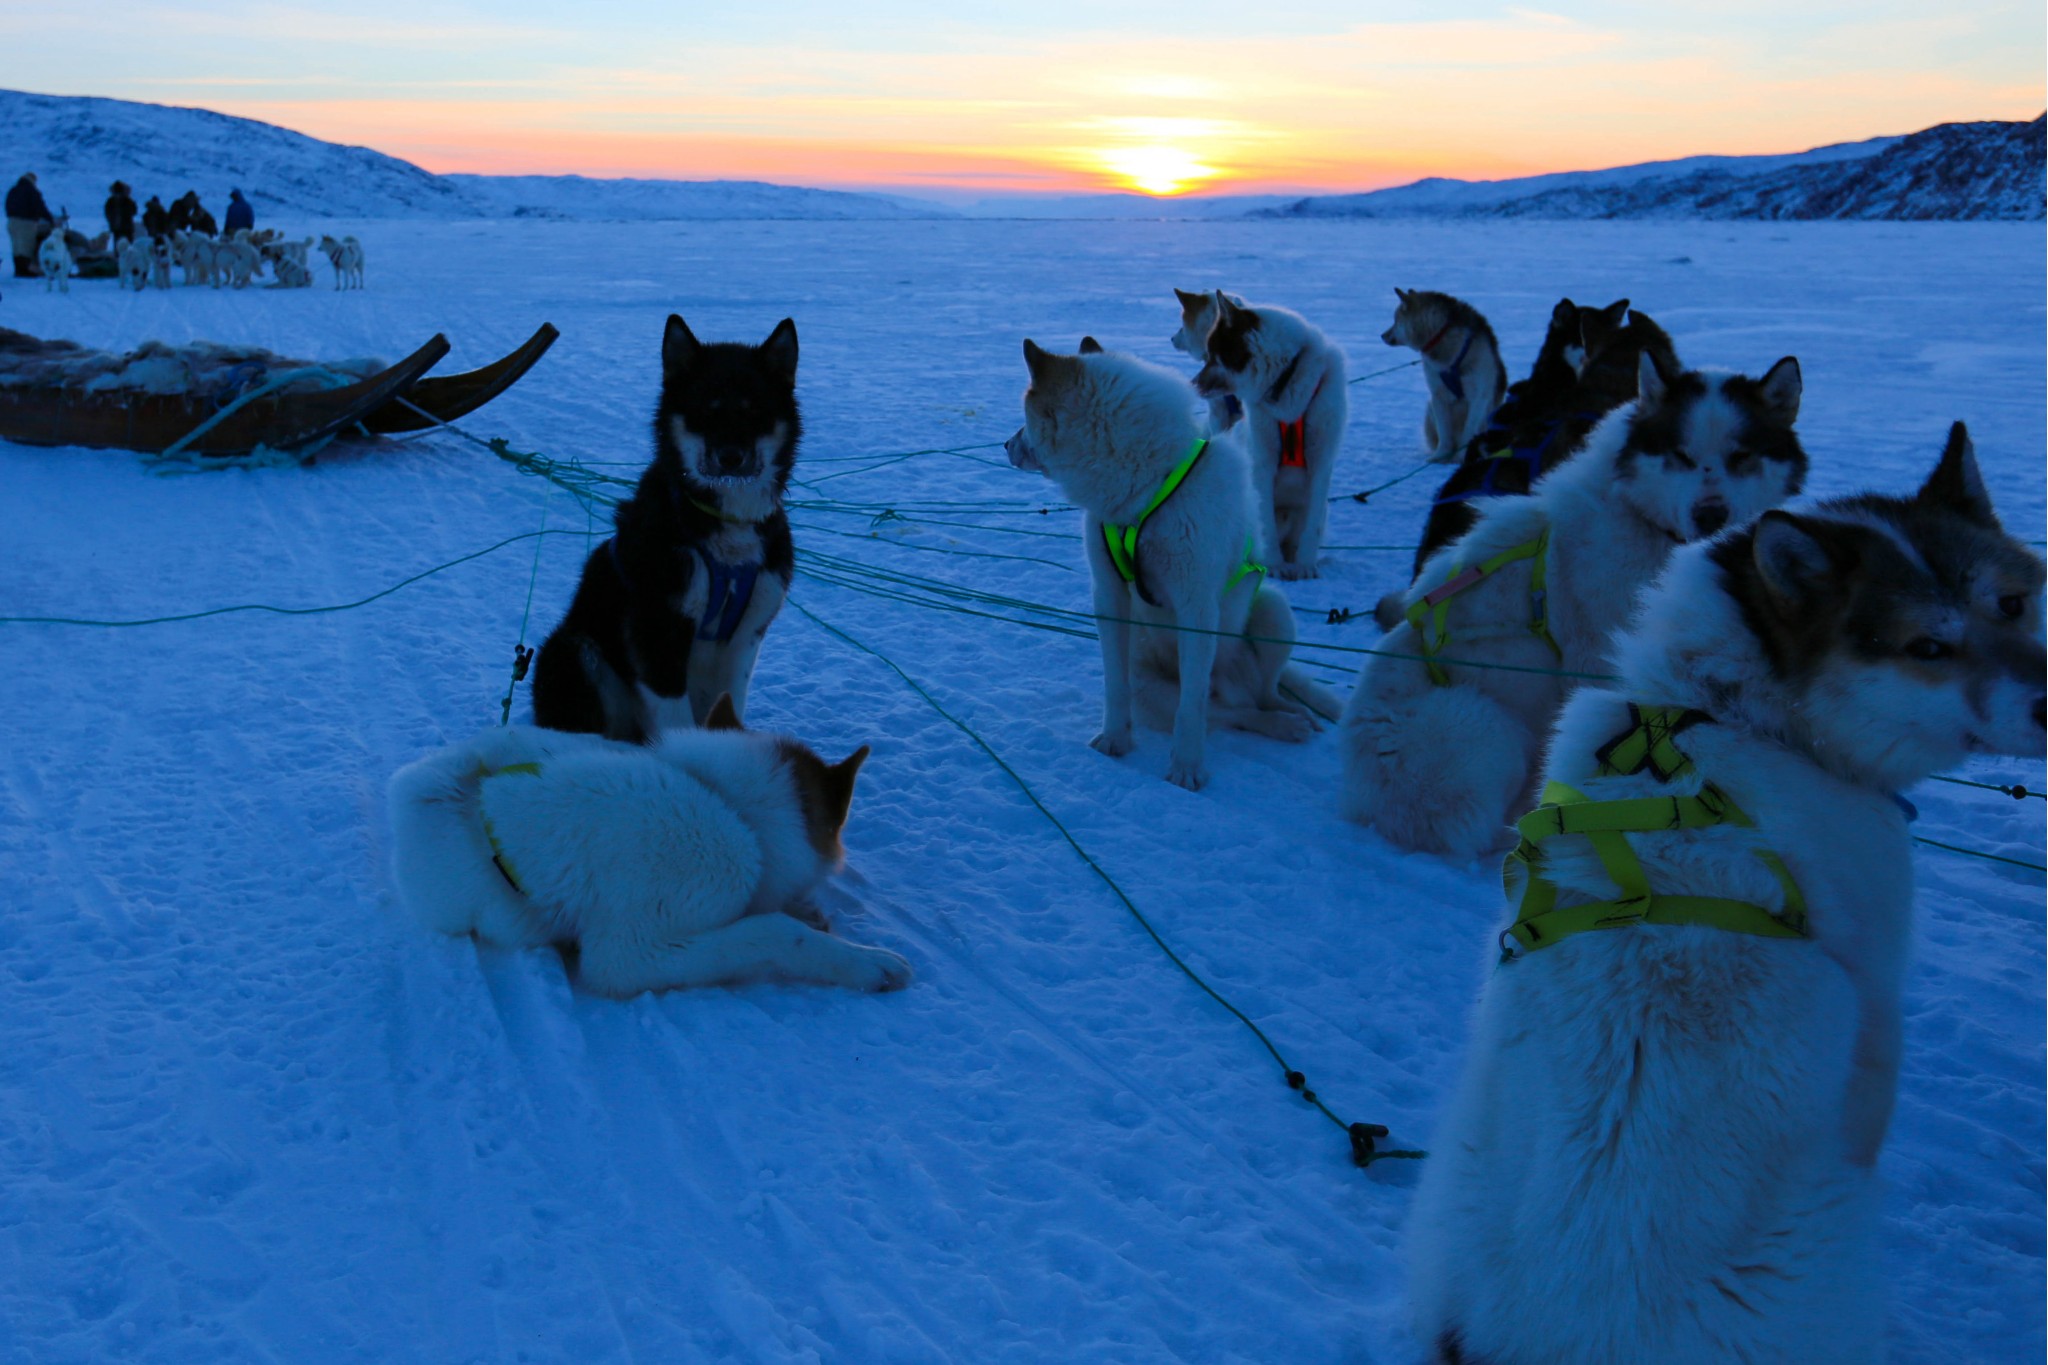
x,y
1294,435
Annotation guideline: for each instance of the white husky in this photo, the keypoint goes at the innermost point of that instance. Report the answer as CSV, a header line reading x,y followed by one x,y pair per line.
x,y
1438,755
688,862
1662,1149
1290,379
346,256
53,258
137,259
1112,430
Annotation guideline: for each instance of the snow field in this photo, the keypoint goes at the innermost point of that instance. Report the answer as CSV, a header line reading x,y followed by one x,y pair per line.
x,y
249,1112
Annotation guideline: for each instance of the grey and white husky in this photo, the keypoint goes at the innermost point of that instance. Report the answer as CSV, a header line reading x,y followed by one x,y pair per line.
x,y
1663,1147
1439,754
1195,634
1289,378
1461,362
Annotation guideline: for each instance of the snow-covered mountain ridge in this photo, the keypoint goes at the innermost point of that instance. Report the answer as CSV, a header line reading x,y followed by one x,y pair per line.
x,y
1953,171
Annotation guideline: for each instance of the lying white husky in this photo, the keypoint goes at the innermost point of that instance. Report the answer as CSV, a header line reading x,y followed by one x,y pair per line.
x,y
1173,540
1663,1147
686,863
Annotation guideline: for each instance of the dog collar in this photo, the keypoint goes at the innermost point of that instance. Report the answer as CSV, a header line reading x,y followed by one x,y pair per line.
x,y
709,509
1441,333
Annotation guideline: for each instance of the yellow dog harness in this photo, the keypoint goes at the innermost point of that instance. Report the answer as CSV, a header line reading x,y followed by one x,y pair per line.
x,y
1647,745
1121,541
497,849
1430,614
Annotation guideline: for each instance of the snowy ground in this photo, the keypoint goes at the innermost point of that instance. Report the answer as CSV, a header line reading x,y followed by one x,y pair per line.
x,y
249,1113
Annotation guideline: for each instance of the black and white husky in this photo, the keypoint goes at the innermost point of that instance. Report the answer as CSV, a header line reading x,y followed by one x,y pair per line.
x,y
1439,755
1194,634
1460,361
1289,378
672,609
1664,1142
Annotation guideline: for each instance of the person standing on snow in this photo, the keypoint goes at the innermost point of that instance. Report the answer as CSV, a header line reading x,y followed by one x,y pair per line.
x,y
28,221
240,214
156,219
121,213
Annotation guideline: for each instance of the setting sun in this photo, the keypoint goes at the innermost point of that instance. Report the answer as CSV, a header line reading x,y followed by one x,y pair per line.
x,y
1156,169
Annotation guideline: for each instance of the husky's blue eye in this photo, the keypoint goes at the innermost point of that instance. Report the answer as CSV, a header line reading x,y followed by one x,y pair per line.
x,y
2012,606
1928,648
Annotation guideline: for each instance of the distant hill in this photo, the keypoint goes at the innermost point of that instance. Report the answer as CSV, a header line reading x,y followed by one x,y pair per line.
x,y
78,145
1975,171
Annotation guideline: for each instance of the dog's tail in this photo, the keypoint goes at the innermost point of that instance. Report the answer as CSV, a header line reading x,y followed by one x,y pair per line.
x,y
1297,685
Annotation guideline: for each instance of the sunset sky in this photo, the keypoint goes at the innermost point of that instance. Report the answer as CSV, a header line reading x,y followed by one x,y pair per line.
x,y
1166,96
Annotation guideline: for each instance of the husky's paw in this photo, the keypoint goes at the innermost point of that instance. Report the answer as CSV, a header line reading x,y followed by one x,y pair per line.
x,y
880,971
1291,572
1116,744
1192,775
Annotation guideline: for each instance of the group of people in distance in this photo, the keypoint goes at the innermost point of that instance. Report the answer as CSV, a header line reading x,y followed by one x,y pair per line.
x,y
29,219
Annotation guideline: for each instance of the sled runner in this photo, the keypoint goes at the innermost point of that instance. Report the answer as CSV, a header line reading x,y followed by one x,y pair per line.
x,y
456,395
57,393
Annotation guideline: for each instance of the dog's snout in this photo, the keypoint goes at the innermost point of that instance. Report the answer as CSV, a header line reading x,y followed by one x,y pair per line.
x,y
1710,516
731,459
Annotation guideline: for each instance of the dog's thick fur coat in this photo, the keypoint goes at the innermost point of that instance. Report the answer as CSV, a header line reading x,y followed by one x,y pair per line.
x,y
689,862
629,658
1441,768
1663,1146
1286,375
1109,428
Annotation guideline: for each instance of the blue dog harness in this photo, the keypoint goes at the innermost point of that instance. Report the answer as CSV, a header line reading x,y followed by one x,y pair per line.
x,y
728,592
1452,380
726,597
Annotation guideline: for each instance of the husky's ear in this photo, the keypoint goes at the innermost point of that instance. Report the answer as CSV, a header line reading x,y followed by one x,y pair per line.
x,y
1190,302
1090,346
1566,315
679,346
1651,381
1227,308
1779,389
1048,371
1800,560
1599,326
1400,293
780,347
1957,483
839,784
723,716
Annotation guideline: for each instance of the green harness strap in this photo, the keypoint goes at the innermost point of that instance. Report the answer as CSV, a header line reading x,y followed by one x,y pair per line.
x,y
1122,540
497,849
1540,921
1430,615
